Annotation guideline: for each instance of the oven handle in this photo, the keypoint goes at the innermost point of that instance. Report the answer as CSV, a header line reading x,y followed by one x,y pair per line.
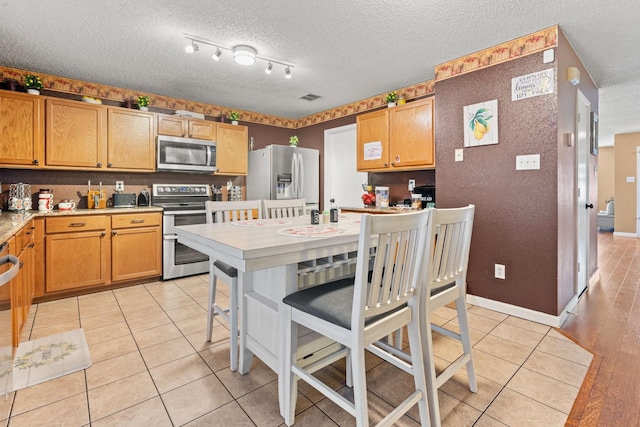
x,y
196,212
169,237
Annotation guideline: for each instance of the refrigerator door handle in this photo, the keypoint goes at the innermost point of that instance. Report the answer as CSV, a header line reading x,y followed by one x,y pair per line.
x,y
294,176
300,176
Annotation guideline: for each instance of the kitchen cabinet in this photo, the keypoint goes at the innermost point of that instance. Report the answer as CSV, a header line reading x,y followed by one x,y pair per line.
x,y
232,149
396,139
21,130
130,140
22,285
76,134
136,246
186,127
77,252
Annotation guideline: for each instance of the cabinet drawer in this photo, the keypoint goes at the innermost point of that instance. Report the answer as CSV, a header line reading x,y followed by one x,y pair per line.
x,y
135,220
75,224
24,237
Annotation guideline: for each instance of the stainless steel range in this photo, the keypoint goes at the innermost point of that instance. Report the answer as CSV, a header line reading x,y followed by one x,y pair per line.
x,y
181,205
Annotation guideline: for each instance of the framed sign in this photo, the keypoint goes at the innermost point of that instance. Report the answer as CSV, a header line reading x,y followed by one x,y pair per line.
x,y
594,133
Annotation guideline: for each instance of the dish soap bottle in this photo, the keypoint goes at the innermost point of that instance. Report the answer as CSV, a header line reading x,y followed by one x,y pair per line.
x,y
333,212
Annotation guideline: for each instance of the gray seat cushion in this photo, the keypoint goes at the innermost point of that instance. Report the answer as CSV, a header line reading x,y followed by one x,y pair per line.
x,y
226,269
442,288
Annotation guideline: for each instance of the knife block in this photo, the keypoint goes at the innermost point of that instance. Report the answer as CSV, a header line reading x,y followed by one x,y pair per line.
x,y
99,196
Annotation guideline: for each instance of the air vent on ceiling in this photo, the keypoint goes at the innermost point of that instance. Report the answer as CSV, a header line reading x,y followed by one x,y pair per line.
x,y
310,97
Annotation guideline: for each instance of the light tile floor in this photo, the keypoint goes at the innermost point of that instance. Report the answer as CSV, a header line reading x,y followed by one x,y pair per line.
x,y
152,367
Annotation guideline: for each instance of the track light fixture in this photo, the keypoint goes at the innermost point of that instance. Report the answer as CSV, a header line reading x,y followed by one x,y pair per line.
x,y
242,54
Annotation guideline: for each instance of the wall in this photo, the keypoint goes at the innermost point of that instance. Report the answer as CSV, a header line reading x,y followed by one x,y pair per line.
x,y
625,195
524,219
606,176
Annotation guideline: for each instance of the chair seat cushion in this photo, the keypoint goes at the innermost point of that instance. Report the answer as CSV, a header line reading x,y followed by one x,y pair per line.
x,y
226,268
436,291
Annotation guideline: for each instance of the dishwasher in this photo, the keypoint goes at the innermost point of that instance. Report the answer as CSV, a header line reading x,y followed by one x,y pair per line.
x,y
9,266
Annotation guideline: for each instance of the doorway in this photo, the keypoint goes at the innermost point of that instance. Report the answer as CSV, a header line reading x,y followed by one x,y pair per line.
x,y
583,129
341,180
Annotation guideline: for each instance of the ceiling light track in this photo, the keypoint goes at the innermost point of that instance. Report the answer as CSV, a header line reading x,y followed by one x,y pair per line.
x,y
242,54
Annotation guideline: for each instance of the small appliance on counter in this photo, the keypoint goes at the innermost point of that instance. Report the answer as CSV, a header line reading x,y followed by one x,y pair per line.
x,y
144,199
124,200
427,195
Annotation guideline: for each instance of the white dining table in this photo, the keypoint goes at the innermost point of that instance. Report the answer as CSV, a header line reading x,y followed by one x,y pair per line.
x,y
267,254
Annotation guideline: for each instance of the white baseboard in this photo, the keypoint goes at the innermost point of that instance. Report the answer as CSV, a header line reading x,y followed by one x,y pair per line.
x,y
524,313
621,234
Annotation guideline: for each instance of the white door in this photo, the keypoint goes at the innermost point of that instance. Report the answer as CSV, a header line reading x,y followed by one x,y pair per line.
x,y
583,121
341,181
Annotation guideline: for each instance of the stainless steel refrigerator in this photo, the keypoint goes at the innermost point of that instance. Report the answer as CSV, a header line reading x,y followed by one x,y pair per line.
x,y
284,172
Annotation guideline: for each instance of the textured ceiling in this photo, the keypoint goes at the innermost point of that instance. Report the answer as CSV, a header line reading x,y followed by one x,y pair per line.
x,y
343,51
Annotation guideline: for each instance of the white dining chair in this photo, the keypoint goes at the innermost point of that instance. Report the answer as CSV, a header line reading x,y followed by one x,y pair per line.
x,y
283,208
384,296
225,212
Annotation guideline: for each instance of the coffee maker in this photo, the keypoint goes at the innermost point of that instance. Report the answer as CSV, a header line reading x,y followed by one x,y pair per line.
x,y
428,195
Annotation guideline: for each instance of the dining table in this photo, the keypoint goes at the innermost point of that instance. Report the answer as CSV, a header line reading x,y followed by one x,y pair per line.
x,y
274,258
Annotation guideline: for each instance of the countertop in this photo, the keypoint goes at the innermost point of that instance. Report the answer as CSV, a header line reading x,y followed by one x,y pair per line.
x,y
374,210
12,222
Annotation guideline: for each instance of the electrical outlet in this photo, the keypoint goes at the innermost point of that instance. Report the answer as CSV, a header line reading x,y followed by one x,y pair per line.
x,y
119,186
459,154
500,271
412,184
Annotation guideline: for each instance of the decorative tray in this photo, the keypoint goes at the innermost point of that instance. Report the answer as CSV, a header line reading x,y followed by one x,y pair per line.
x,y
261,222
311,231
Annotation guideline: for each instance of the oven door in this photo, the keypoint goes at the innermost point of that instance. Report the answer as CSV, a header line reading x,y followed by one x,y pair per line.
x,y
180,260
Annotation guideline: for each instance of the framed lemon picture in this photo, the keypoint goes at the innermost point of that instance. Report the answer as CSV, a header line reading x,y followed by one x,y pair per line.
x,y
481,124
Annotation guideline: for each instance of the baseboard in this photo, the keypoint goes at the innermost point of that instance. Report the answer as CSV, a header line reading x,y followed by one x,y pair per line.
x,y
524,313
621,234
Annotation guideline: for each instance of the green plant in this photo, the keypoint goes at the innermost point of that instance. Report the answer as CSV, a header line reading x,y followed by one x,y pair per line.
x,y
32,82
234,116
143,101
294,141
392,97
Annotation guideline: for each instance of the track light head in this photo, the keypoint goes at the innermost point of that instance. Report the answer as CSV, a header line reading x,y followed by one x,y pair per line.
x,y
287,72
268,69
193,47
217,54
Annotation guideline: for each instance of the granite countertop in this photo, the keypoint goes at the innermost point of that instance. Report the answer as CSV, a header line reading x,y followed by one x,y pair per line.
x,y
374,210
12,222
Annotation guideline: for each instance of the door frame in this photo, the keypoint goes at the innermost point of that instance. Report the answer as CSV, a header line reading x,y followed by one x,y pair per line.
x,y
583,218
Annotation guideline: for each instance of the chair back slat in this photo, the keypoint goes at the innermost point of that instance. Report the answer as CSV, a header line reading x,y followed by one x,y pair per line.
x,y
396,273
283,208
233,210
450,242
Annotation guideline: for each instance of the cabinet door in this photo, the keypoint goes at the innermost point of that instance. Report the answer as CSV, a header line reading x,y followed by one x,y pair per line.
x,y
76,134
21,129
171,125
136,253
130,140
76,260
373,140
411,137
202,129
232,149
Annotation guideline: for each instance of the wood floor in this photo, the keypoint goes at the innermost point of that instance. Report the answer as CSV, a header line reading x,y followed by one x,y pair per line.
x,y
607,322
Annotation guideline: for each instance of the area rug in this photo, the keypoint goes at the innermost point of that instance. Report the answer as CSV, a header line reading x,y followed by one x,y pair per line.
x,y
50,357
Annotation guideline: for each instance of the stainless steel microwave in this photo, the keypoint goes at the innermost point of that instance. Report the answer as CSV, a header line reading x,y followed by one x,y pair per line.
x,y
186,154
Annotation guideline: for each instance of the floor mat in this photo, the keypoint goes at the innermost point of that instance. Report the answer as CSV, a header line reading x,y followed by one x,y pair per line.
x,y
50,357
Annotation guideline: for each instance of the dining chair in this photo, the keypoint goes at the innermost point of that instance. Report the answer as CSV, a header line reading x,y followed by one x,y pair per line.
x,y
446,276
283,208
355,312
225,212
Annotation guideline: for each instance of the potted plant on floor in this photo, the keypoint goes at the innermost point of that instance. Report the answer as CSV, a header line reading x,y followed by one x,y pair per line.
x,y
33,84
234,116
143,103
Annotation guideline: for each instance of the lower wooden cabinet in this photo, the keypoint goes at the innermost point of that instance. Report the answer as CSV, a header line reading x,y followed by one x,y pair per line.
x,y
96,250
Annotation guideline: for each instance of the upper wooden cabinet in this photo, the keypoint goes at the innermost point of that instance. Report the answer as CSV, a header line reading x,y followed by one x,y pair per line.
x,y
232,149
130,139
395,139
186,127
76,134
89,136
21,129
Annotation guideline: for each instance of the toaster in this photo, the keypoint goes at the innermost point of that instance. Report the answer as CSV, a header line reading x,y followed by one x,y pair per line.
x,y
124,200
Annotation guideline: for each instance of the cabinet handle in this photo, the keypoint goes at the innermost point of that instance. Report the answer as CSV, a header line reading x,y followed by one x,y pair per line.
x,y
28,233
99,164
36,162
114,232
77,224
137,221
31,245
21,264
386,164
103,234
109,164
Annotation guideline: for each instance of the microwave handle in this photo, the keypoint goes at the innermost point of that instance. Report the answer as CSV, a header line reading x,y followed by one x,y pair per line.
x,y
208,156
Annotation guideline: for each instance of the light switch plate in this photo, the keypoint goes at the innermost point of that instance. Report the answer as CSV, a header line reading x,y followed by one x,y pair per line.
x,y
631,179
500,272
548,56
528,162
459,154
